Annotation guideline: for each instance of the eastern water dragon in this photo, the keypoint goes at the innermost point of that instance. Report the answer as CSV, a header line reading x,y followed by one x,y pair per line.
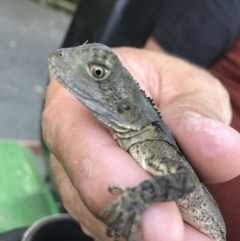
x,y
95,76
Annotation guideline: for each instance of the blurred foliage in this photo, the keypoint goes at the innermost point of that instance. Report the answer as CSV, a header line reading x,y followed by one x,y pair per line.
x,y
68,6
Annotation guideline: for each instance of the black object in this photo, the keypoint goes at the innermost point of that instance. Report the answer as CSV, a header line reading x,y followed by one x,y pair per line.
x,y
13,235
199,31
113,22
59,227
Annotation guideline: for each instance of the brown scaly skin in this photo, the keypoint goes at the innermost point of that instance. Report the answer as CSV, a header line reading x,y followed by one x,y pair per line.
x,y
95,75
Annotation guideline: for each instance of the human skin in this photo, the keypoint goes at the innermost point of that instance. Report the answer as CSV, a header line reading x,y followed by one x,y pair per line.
x,y
85,159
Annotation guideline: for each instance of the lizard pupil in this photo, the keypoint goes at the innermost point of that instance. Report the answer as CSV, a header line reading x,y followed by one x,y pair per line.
x,y
98,72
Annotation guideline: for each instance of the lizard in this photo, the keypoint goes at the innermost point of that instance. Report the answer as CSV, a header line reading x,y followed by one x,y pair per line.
x,y
96,77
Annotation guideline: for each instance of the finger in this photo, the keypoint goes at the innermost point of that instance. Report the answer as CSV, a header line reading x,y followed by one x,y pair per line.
x,y
162,219
73,204
212,146
158,222
192,234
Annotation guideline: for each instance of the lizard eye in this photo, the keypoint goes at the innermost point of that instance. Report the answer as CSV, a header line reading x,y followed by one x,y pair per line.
x,y
98,72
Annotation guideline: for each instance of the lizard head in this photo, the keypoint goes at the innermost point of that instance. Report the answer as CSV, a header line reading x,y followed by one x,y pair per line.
x,y
94,74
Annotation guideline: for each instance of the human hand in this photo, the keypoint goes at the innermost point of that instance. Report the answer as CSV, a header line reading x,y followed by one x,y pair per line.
x,y
86,160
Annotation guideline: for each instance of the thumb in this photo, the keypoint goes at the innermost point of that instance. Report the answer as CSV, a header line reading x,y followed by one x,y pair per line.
x,y
211,146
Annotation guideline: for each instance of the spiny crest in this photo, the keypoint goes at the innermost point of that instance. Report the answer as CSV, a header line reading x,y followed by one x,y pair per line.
x,y
150,100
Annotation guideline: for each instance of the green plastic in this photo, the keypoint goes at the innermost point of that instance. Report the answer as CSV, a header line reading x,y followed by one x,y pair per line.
x,y
24,197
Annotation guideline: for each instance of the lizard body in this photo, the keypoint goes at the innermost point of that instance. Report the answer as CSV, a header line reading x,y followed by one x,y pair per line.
x,y
95,76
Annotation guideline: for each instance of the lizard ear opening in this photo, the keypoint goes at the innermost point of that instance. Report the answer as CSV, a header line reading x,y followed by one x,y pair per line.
x,y
123,106
129,111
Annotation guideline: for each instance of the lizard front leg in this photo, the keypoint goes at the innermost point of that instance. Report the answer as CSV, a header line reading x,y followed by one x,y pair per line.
x,y
131,204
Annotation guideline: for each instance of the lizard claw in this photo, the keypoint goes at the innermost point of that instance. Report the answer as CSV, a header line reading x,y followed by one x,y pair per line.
x,y
124,208
113,188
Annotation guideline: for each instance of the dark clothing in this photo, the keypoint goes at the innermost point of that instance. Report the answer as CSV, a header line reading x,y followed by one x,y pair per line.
x,y
200,31
206,32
